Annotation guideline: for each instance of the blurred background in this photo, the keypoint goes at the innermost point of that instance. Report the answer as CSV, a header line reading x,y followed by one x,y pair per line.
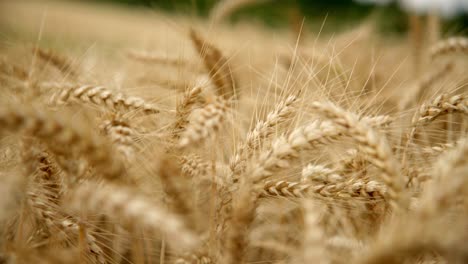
x,y
337,14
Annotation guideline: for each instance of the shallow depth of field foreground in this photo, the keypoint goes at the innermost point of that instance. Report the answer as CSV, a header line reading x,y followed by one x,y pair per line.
x,y
132,135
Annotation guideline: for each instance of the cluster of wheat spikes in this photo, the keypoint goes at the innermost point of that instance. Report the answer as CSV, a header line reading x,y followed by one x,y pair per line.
x,y
320,153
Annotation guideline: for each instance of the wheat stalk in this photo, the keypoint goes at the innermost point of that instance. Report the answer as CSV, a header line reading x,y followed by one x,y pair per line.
x,y
176,188
66,226
313,249
243,212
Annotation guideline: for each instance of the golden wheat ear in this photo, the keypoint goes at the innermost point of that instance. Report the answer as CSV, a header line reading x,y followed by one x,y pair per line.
x,y
122,136
375,146
183,110
62,138
217,66
10,69
205,123
356,188
449,46
285,149
102,97
442,105
437,204
282,112
60,62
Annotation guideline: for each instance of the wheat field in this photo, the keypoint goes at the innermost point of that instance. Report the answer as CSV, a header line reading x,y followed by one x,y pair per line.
x,y
136,136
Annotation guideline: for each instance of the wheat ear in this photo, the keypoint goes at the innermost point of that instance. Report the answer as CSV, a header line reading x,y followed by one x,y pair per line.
x,y
354,161
184,108
44,200
131,208
217,66
54,221
60,62
263,129
193,166
46,172
376,148
319,173
121,134
103,97
441,105
205,123
448,46
341,190
449,182
285,149
61,137
440,148
13,70
410,236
